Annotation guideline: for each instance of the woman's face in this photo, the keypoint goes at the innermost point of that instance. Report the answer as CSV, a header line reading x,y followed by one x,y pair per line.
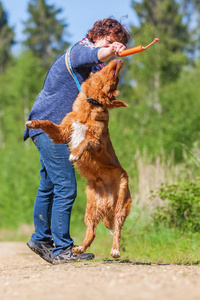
x,y
103,42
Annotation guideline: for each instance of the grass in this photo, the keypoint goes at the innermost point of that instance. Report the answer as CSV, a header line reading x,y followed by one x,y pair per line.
x,y
139,244
160,247
166,247
141,241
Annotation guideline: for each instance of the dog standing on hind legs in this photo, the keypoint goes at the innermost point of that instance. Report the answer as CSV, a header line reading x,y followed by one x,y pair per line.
x,y
86,130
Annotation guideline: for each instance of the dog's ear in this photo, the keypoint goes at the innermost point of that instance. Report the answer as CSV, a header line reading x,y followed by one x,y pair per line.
x,y
117,103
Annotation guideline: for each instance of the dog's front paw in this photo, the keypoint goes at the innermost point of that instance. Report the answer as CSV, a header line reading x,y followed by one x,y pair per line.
x,y
115,253
73,158
32,124
78,250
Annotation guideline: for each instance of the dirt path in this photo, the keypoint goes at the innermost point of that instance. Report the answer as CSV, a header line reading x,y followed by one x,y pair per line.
x,y
24,275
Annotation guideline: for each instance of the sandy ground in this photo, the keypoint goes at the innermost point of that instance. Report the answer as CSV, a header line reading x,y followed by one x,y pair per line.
x,y
24,275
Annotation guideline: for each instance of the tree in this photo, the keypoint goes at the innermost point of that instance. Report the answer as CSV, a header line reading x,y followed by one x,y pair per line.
x,y
161,19
160,98
44,31
191,12
161,64
6,39
17,94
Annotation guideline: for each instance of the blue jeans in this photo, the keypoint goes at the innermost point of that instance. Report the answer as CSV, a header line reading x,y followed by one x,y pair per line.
x,y
55,196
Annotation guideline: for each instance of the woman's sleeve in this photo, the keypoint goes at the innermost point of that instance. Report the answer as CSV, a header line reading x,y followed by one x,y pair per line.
x,y
83,56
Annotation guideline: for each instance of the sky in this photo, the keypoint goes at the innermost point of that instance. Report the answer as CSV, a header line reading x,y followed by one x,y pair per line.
x,y
80,15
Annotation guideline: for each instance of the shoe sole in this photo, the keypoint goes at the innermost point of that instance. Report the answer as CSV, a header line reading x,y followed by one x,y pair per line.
x,y
47,260
71,261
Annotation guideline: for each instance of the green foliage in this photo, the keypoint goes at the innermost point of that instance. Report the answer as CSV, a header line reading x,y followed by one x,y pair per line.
x,y
191,11
19,177
6,39
180,112
172,125
164,62
156,83
18,185
180,208
44,31
18,89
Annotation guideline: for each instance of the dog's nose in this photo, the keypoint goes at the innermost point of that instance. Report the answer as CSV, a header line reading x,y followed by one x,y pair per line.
x,y
120,61
117,61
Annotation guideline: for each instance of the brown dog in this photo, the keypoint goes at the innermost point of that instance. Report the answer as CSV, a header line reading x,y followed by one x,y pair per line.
x,y
86,130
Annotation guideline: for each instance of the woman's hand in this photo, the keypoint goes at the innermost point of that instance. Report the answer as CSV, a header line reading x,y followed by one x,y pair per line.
x,y
117,48
111,50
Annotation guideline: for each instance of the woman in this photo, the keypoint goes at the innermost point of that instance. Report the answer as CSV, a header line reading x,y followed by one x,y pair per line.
x,y
57,191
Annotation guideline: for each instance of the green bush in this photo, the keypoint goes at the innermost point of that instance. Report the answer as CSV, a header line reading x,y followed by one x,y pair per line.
x,y
180,206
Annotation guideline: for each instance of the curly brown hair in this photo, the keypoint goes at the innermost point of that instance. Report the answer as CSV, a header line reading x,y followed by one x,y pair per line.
x,y
109,27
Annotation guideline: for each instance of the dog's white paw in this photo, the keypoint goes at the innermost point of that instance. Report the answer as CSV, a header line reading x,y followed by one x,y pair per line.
x,y
73,158
78,250
115,253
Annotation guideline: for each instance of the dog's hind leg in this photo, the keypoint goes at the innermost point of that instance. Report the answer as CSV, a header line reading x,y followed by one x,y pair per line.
x,y
56,132
121,212
115,252
92,219
89,237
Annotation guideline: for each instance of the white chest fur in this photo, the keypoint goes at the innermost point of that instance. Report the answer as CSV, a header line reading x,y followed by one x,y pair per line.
x,y
78,134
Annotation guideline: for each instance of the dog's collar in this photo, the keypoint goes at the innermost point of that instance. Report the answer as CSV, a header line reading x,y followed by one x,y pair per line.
x,y
94,102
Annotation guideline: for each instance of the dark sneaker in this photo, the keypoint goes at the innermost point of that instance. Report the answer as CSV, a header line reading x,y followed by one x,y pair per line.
x,y
68,256
44,250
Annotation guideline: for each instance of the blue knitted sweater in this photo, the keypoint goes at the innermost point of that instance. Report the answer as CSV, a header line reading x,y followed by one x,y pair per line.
x,y
59,90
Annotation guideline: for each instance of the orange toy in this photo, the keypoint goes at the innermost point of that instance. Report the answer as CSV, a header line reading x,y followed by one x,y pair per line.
x,y
137,49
